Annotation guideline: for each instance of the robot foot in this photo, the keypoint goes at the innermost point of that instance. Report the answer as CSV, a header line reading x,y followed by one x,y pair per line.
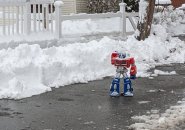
x,y
114,94
128,94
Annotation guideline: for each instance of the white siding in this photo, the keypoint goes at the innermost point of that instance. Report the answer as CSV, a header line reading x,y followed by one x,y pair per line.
x,y
74,6
7,10
69,7
81,6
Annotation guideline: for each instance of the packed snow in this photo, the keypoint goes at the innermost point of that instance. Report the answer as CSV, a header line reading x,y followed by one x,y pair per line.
x,y
143,102
159,72
155,90
171,119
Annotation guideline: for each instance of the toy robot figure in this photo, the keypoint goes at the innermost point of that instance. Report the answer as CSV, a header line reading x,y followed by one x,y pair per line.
x,y
122,64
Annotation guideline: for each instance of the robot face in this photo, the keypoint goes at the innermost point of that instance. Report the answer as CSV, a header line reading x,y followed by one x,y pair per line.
x,y
122,55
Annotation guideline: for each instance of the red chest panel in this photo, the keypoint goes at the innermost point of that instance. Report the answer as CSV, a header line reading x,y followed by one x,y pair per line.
x,y
117,61
122,62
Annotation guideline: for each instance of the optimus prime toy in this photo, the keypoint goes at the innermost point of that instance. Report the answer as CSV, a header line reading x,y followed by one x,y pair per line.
x,y
122,65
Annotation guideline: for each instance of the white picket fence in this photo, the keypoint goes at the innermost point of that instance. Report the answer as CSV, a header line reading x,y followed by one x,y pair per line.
x,y
16,17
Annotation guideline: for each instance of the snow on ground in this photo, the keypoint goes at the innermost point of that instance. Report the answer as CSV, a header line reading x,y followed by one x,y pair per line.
x,y
155,90
143,102
159,72
170,120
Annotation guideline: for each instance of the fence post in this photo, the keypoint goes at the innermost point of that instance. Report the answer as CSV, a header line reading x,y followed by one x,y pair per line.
x,y
123,20
27,17
58,19
4,30
17,19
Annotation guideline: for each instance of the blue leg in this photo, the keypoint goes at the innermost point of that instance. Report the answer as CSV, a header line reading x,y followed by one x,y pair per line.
x,y
128,90
114,88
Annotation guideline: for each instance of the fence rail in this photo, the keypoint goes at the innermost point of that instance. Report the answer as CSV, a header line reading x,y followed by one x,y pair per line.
x,y
91,16
16,17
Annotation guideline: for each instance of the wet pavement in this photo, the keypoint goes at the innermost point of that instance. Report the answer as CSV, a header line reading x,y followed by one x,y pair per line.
x,y
89,107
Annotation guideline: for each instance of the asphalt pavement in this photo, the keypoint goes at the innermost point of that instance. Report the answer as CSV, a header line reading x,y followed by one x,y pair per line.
x,y
89,106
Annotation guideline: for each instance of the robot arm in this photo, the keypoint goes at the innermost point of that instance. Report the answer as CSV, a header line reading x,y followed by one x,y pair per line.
x,y
133,69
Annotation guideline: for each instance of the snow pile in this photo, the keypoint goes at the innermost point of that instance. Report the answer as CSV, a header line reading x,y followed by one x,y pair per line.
x,y
28,70
170,120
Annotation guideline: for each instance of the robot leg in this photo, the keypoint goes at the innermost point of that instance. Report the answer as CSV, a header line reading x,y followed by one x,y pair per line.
x,y
128,90
114,87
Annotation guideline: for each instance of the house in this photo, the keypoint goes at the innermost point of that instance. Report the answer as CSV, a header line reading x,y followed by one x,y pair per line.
x,y
175,3
69,7
74,6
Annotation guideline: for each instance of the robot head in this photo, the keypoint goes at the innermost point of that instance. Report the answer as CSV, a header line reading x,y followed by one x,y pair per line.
x,y
122,55
116,55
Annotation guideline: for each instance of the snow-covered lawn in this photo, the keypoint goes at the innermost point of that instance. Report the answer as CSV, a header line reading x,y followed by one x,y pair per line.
x,y
71,28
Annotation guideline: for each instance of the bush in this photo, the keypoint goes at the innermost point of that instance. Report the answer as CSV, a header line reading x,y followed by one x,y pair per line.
x,y
103,6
